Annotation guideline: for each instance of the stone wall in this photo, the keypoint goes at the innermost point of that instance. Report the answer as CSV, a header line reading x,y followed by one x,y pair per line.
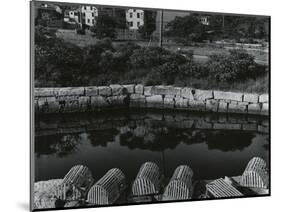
x,y
96,98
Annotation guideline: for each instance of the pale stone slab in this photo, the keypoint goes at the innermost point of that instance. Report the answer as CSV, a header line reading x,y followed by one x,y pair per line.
x,y
91,91
265,108
196,105
104,91
169,102
154,101
117,100
187,93
117,90
129,88
254,108
181,102
212,105
253,98
228,95
237,108
226,126
201,124
137,100
147,90
166,90
139,89
44,92
72,91
203,94
223,107
263,98
98,101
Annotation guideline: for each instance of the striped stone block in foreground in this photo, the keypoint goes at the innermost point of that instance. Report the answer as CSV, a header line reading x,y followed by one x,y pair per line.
x,y
219,188
180,185
255,174
108,189
147,181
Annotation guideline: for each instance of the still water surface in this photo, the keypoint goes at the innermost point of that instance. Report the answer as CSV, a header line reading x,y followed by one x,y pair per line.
x,y
126,140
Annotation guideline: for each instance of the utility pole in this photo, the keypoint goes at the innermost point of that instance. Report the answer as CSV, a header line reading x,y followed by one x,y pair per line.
x,y
161,29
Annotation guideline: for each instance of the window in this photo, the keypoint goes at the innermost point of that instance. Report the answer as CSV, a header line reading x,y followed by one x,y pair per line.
x,y
93,14
93,21
131,24
85,8
131,15
89,20
138,23
138,15
134,10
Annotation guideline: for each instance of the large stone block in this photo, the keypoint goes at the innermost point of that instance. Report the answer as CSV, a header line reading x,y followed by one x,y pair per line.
x,y
98,102
249,127
237,108
203,94
223,106
265,109
70,106
166,90
44,92
263,98
137,100
147,90
155,101
254,108
252,98
52,105
117,100
117,90
129,88
84,102
201,124
263,129
169,102
226,126
91,91
228,96
139,89
196,105
104,91
181,102
187,93
212,105
72,91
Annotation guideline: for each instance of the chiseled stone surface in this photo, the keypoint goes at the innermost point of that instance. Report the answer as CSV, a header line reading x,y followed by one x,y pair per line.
x,y
129,88
203,94
166,90
252,98
228,96
263,98
104,91
137,100
91,91
187,93
200,124
147,90
181,102
223,106
154,101
117,90
196,105
254,108
249,127
237,108
71,91
169,102
44,92
226,126
212,105
117,100
139,89
98,101
265,109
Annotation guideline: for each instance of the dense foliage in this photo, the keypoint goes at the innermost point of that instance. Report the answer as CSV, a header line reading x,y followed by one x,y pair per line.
x,y
58,63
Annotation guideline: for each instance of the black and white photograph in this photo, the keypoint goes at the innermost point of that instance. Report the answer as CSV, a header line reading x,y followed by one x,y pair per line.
x,y
136,105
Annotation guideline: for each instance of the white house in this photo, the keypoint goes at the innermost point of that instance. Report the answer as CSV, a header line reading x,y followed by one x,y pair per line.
x,y
83,15
134,18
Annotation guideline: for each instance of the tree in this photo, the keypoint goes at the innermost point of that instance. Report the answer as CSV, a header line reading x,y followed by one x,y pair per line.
x,y
105,27
149,24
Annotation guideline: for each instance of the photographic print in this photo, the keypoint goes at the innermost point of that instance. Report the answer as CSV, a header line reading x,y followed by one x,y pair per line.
x,y
139,105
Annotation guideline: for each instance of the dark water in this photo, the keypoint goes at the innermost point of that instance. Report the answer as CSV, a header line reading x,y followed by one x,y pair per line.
x,y
126,140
